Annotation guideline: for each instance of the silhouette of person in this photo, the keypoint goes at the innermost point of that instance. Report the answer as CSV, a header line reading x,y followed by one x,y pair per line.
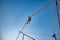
x,y
54,36
29,19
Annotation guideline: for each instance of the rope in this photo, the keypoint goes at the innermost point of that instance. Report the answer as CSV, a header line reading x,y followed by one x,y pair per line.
x,y
57,12
33,15
41,9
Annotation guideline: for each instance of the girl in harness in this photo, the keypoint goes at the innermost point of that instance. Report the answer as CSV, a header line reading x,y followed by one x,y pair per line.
x,y
29,19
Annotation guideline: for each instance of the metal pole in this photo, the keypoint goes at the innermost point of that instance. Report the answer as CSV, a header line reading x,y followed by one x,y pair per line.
x,y
23,37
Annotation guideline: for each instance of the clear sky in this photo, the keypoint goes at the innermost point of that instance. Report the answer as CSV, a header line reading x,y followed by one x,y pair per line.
x,y
15,13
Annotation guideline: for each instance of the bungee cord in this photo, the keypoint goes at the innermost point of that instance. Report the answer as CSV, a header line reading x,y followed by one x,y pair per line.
x,y
57,12
42,8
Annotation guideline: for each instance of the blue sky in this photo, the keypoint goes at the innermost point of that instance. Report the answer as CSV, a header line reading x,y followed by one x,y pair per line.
x,y
15,13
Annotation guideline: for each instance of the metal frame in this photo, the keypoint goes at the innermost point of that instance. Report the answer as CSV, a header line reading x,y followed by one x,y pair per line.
x,y
26,35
